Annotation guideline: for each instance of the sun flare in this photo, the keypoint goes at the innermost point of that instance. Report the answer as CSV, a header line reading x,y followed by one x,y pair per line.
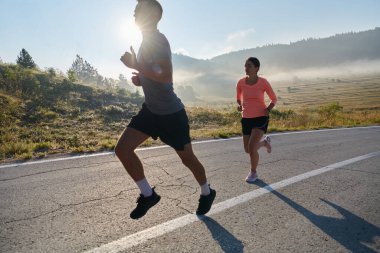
x,y
130,33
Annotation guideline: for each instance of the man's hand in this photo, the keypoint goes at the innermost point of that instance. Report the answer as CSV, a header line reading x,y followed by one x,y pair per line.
x,y
239,108
136,79
129,59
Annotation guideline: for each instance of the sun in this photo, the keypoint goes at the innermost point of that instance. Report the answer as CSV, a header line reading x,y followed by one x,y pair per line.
x,y
129,33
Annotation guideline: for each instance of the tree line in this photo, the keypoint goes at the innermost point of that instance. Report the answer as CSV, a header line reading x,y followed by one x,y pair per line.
x,y
80,71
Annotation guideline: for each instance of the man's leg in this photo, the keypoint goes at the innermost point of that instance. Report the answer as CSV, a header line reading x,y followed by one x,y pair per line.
x,y
125,151
191,161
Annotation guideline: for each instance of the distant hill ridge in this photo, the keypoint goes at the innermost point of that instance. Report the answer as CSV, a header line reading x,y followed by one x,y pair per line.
x,y
310,52
216,75
313,52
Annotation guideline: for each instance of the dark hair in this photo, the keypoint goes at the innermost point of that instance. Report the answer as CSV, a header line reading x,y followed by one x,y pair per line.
x,y
155,4
254,61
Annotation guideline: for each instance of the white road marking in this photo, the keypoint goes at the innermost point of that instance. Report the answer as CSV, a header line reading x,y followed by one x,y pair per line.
x,y
166,146
138,238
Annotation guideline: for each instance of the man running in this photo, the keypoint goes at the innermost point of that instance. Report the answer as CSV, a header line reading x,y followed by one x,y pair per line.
x,y
162,115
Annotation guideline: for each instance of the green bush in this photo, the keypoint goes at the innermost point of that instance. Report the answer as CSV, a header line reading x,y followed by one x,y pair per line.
x,y
42,146
199,117
74,141
15,148
108,144
286,114
330,110
113,112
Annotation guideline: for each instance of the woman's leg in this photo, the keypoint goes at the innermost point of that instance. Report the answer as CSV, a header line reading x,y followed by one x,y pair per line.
x,y
253,146
246,143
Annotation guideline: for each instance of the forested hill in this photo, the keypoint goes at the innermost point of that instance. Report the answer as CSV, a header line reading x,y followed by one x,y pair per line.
x,y
311,52
305,53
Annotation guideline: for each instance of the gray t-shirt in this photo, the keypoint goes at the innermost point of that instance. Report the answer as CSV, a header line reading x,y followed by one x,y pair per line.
x,y
159,98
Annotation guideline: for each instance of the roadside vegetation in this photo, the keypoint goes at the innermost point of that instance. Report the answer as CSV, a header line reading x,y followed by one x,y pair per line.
x,y
204,123
44,112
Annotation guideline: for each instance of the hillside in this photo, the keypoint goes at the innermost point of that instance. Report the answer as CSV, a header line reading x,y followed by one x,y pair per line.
x,y
42,110
336,56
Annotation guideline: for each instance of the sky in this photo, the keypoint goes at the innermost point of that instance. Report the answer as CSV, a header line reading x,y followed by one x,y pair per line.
x,y
100,31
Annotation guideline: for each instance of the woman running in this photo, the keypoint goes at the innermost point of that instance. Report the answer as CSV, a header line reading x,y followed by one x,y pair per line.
x,y
255,114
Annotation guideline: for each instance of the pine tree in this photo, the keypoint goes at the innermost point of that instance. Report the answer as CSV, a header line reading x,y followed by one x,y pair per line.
x,y
25,60
84,72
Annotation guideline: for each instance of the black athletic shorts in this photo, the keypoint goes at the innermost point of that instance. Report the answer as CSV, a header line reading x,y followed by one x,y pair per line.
x,y
247,124
172,129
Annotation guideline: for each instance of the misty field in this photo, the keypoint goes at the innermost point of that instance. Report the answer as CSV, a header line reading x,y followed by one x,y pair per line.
x,y
357,92
362,93
309,104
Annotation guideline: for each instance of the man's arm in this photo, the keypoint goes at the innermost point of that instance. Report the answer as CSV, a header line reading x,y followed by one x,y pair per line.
x,y
160,70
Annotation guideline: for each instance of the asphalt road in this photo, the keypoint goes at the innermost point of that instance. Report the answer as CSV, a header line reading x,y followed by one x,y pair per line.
x,y
318,191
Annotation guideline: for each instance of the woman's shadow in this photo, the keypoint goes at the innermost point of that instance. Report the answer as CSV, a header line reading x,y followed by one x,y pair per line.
x,y
227,241
350,230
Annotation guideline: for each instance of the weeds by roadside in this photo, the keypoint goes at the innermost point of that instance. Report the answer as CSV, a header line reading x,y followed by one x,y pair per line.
x,y
75,135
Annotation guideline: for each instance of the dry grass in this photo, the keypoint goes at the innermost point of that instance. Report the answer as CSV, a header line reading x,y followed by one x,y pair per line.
x,y
308,105
351,93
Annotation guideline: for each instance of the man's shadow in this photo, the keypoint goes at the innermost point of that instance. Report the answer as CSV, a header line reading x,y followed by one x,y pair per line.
x,y
227,241
350,231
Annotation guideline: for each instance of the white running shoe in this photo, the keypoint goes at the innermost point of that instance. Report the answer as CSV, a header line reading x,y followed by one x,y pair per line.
x,y
267,144
252,177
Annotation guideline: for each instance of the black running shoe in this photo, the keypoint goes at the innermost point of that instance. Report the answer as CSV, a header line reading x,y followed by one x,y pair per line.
x,y
144,204
205,202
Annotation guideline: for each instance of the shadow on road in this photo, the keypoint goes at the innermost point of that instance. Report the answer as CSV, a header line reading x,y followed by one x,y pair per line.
x,y
227,241
350,231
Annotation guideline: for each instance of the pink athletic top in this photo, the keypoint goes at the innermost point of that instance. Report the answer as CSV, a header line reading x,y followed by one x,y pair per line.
x,y
252,97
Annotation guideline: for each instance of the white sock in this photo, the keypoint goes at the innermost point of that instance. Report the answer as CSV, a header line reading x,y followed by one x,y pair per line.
x,y
205,189
144,187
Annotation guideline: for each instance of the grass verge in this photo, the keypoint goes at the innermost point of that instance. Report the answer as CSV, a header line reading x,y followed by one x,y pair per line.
x,y
72,135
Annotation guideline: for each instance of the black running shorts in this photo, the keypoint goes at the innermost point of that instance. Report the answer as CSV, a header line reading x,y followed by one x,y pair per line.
x,y
247,124
172,129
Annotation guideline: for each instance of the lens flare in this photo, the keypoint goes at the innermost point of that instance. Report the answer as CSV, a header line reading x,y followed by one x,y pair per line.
x,y
130,33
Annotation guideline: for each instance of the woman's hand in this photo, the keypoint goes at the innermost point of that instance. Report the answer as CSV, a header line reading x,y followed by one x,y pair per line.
x,y
267,111
269,108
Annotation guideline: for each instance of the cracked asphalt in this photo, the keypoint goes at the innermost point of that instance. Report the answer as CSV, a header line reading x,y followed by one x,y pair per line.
x,y
80,204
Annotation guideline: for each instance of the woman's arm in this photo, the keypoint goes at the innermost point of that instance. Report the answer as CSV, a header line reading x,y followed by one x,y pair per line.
x,y
238,96
272,97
